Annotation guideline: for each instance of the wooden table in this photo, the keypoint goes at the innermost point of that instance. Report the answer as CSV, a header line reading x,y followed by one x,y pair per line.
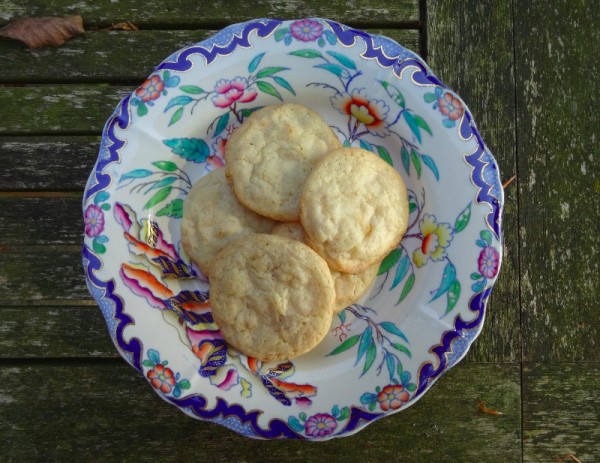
x,y
529,73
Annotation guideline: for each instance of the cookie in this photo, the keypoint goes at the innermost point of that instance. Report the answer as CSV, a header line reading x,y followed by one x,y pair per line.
x,y
354,209
269,157
348,288
213,217
272,297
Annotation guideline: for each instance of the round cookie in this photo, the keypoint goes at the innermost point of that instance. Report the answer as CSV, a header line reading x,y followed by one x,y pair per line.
x,y
348,287
272,297
213,217
354,209
269,157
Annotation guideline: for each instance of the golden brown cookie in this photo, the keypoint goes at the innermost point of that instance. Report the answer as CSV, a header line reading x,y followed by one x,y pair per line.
x,y
272,297
348,288
354,209
269,157
213,217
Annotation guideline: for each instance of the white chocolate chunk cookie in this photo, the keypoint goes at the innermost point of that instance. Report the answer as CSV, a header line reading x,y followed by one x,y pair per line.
x,y
272,297
349,288
269,157
354,209
213,217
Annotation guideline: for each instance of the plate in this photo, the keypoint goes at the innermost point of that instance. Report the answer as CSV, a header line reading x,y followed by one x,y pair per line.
x,y
428,303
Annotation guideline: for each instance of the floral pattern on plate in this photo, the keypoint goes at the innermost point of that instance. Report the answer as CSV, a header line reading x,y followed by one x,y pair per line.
x,y
428,303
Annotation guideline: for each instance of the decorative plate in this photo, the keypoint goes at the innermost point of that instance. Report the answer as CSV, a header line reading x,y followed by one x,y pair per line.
x,y
428,303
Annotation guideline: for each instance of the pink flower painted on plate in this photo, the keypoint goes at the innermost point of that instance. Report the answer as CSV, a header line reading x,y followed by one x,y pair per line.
x,y
392,397
162,378
93,220
150,89
370,112
320,425
489,262
233,91
306,30
450,106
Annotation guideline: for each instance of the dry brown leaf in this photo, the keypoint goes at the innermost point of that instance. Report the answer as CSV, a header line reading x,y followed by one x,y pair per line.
x,y
124,26
44,31
488,411
568,457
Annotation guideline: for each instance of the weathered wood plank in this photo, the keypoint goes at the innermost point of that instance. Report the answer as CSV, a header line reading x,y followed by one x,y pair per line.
x,y
475,58
58,109
559,188
46,163
194,14
116,57
111,413
61,331
42,275
561,411
41,220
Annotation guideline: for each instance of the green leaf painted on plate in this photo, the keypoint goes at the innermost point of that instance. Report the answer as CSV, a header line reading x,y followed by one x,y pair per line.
x,y
405,159
222,124
269,89
266,72
453,296
370,357
157,197
342,59
416,160
284,84
463,219
192,89
385,155
408,286
190,149
255,62
176,116
167,166
180,100
389,261
173,209
307,53
347,344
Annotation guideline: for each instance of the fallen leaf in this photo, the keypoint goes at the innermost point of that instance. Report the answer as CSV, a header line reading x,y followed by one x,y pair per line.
x,y
568,457
44,31
486,410
124,26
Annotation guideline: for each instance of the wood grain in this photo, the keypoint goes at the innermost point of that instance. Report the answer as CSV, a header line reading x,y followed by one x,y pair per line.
x,y
559,207
475,59
561,411
193,14
46,163
46,274
60,331
110,412
40,221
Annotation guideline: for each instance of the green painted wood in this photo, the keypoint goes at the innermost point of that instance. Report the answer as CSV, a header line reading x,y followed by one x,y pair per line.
x,y
561,412
559,188
117,57
39,221
62,331
65,410
475,59
46,163
193,14
41,275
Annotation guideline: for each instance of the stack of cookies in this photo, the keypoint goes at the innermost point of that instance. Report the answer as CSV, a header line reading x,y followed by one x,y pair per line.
x,y
291,230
